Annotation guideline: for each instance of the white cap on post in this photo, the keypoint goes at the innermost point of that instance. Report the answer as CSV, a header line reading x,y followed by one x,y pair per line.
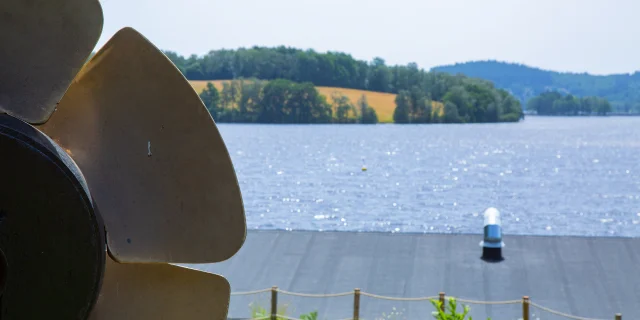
x,y
491,216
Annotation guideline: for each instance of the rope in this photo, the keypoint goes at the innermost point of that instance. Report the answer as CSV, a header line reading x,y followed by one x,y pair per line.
x,y
250,292
487,302
315,295
329,295
558,313
396,299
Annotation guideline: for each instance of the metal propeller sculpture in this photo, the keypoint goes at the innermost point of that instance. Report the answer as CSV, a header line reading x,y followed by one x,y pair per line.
x,y
112,171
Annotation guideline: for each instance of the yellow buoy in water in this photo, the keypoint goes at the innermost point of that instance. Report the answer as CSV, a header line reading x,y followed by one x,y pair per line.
x,y
364,168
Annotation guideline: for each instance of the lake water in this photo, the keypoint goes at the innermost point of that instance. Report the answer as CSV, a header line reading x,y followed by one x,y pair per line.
x,y
547,176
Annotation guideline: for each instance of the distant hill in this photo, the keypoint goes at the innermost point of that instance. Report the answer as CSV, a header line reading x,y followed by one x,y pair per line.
x,y
524,82
383,103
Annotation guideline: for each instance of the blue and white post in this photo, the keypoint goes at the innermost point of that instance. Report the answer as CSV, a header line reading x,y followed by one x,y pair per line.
x,y
492,244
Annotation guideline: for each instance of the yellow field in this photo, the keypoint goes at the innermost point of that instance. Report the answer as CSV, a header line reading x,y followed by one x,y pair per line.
x,y
383,103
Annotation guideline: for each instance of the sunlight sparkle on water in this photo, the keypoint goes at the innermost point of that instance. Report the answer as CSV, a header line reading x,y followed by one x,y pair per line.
x,y
451,181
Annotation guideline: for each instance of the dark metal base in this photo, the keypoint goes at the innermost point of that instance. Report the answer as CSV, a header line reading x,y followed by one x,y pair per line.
x,y
492,254
52,239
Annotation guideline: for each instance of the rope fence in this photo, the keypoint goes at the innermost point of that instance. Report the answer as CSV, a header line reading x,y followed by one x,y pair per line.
x,y
356,293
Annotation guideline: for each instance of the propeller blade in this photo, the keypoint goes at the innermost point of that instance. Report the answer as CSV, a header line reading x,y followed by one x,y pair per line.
x,y
43,45
152,156
160,291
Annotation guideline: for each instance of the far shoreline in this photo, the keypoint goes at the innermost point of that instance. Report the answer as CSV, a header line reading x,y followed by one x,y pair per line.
x,y
585,116
623,115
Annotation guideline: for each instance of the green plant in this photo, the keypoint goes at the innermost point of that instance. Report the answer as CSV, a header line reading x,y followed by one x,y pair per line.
x,y
258,312
310,316
453,314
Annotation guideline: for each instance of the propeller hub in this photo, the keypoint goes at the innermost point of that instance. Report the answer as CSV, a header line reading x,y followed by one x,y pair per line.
x,y
3,272
51,238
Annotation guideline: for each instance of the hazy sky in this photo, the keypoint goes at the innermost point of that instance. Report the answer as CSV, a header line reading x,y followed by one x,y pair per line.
x,y
592,36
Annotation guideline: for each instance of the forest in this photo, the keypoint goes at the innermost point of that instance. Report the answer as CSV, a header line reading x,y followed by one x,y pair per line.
x,y
621,90
555,103
290,74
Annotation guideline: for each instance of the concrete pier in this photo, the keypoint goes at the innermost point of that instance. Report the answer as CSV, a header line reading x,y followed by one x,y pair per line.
x,y
582,276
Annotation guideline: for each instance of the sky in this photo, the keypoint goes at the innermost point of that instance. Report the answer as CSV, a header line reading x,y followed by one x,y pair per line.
x,y
598,37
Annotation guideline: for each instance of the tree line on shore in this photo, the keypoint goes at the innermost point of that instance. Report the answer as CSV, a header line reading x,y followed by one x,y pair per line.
x,y
466,100
555,103
282,101
525,82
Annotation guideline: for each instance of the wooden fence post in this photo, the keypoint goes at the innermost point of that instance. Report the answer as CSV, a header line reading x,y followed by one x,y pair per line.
x,y
618,316
356,304
274,302
525,308
442,301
